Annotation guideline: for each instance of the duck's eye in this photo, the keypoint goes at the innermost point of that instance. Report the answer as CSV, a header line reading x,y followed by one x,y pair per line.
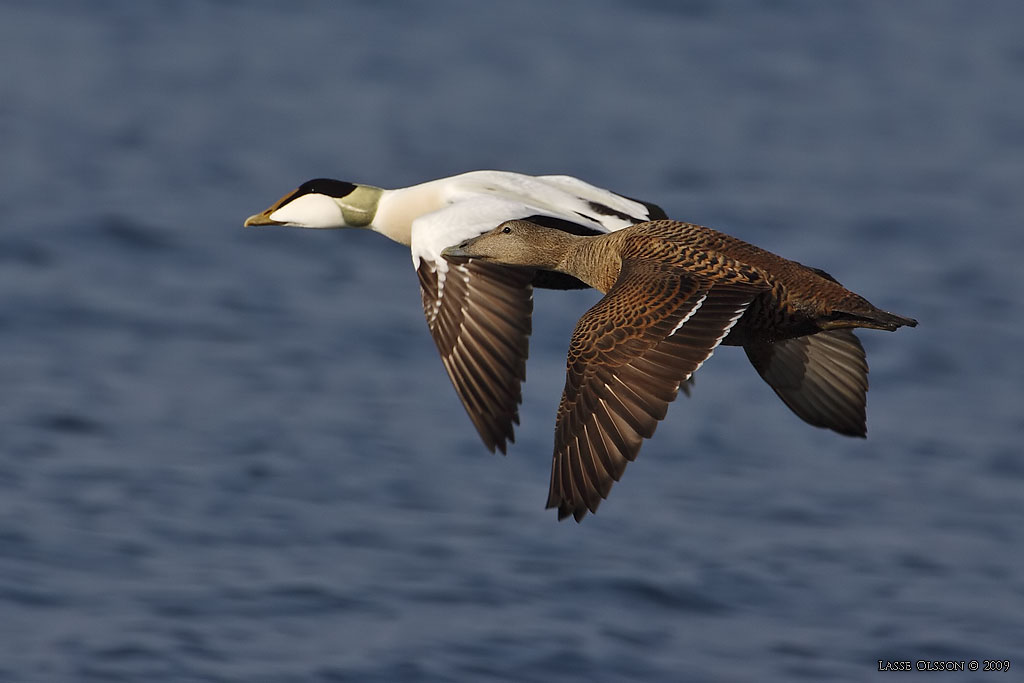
x,y
506,230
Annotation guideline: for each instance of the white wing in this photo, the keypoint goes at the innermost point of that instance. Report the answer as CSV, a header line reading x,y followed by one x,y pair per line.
x,y
478,201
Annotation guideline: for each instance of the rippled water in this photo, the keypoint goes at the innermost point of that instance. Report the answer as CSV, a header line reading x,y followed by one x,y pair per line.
x,y
232,455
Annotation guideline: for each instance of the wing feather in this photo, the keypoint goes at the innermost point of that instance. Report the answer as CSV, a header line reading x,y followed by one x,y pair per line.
x,y
479,316
822,377
628,356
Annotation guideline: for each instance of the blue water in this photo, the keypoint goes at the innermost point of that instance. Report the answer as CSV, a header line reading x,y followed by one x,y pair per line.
x,y
233,455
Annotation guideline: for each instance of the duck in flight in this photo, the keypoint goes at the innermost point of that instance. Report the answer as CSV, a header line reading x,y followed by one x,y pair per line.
x,y
478,312
673,292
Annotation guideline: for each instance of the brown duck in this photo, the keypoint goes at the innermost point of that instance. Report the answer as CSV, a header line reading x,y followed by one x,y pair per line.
x,y
673,292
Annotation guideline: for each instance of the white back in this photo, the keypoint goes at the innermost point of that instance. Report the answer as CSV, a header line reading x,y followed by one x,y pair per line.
x,y
475,202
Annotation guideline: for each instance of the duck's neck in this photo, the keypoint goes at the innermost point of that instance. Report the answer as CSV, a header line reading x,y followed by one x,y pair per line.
x,y
591,260
397,209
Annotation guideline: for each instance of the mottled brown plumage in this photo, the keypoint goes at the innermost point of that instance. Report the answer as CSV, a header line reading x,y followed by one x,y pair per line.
x,y
674,292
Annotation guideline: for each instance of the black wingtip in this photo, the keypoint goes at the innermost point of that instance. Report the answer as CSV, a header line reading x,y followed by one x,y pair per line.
x,y
859,432
566,511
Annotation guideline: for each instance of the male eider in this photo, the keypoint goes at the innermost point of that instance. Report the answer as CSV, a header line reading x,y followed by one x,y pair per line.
x,y
478,313
674,292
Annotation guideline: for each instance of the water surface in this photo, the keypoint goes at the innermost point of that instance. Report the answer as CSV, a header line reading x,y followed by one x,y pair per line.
x,y
233,455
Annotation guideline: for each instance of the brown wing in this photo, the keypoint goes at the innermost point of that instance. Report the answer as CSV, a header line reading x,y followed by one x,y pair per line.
x,y
479,317
628,356
822,377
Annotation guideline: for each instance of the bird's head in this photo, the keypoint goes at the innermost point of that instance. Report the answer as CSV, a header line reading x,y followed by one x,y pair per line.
x,y
322,203
516,243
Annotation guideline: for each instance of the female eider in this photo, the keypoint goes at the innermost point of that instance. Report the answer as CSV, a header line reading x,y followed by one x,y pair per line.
x,y
480,318
673,292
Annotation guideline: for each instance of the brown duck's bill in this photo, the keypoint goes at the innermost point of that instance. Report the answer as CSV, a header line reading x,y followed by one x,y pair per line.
x,y
457,251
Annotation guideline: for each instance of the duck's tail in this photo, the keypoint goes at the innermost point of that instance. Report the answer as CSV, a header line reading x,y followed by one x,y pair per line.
x,y
874,319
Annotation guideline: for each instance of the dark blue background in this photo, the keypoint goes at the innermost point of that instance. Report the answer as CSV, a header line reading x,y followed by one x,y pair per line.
x,y
233,455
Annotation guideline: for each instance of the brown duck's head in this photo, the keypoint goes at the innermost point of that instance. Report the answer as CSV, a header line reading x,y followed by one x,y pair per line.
x,y
516,243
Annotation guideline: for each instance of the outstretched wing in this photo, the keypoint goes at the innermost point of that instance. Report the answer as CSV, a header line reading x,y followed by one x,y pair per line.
x,y
479,317
479,313
628,356
822,377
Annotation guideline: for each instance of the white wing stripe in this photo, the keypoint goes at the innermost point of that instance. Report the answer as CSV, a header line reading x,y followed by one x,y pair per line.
x,y
689,315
